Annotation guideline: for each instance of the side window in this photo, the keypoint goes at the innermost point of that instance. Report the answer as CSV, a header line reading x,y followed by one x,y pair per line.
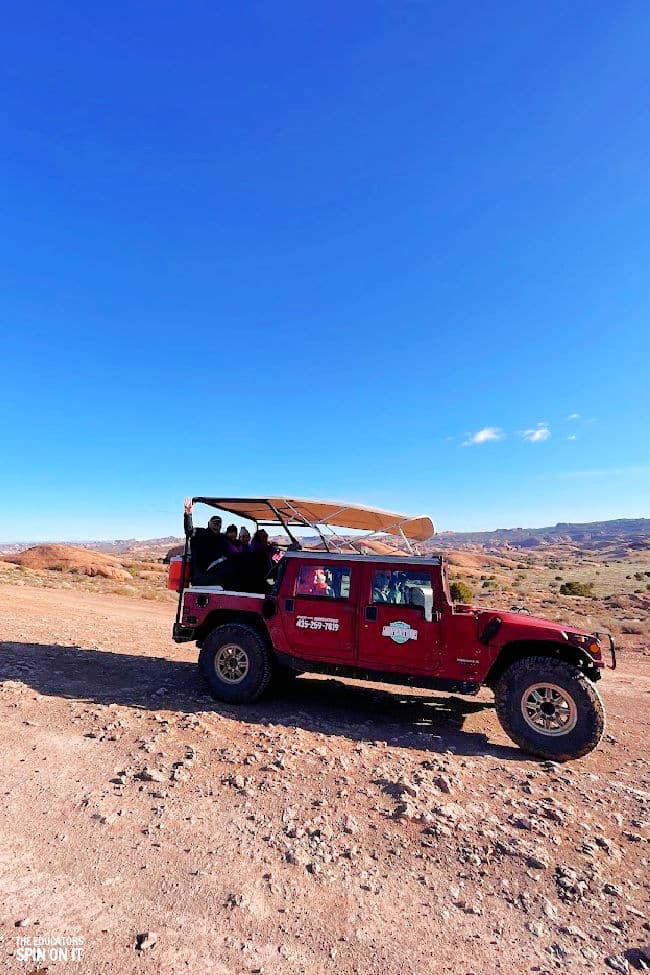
x,y
327,581
394,586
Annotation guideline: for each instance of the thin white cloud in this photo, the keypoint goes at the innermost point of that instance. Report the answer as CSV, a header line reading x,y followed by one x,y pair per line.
x,y
604,472
537,435
572,436
485,435
573,416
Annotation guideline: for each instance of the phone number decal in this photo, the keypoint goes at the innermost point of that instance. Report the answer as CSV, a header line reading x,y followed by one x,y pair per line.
x,y
317,623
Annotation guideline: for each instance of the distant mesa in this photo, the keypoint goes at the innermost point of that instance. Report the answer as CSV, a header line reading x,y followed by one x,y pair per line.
x,y
70,558
635,532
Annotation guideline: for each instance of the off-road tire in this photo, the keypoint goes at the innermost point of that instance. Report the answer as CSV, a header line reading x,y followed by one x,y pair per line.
x,y
236,663
580,708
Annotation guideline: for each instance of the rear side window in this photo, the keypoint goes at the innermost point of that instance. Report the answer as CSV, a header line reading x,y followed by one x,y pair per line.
x,y
325,581
395,586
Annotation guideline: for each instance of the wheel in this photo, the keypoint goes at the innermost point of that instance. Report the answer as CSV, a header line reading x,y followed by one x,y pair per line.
x,y
236,663
550,708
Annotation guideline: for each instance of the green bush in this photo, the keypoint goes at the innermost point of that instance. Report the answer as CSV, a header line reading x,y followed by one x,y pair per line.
x,y
575,588
461,592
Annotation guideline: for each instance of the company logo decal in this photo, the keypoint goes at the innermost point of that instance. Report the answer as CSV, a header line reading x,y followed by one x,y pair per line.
x,y
399,632
317,623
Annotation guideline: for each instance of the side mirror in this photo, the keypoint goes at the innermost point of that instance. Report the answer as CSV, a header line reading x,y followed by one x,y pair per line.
x,y
422,596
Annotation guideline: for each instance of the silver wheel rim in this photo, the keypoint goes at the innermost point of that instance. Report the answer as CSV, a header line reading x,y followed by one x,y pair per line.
x,y
231,663
548,709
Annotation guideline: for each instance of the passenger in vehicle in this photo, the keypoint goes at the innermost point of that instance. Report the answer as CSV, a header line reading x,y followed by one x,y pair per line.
x,y
380,589
245,539
254,566
313,582
261,543
209,546
234,547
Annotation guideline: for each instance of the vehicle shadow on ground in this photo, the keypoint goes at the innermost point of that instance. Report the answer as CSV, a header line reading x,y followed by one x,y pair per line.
x,y
425,720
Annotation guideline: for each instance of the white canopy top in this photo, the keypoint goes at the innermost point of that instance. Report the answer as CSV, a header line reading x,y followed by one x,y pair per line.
x,y
305,513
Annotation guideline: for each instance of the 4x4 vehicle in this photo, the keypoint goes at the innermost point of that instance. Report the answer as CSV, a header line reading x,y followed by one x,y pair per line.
x,y
386,618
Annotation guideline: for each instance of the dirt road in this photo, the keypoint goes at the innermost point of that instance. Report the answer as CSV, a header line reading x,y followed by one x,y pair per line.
x,y
340,827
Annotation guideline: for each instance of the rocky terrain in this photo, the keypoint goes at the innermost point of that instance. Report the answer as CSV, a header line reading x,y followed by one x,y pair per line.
x,y
338,827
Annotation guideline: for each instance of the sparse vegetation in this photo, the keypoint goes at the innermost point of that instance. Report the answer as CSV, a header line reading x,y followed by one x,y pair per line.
x,y
461,592
575,588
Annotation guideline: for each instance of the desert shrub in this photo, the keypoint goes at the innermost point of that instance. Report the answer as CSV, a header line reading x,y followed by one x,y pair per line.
x,y
575,588
460,592
638,576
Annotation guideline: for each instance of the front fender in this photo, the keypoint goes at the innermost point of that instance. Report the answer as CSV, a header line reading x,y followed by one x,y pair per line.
x,y
511,650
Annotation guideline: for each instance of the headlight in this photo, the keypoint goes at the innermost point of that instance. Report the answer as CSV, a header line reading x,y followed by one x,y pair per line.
x,y
587,642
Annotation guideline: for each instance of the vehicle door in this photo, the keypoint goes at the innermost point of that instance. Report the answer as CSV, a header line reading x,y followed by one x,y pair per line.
x,y
394,634
319,611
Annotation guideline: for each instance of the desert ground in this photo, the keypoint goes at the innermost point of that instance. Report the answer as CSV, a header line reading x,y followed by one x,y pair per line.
x,y
337,827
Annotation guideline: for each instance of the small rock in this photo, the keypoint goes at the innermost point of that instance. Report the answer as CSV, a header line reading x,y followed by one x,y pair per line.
x,y
574,931
410,790
151,775
23,923
538,861
618,963
443,782
633,910
549,909
521,822
404,810
451,811
234,900
147,940
612,890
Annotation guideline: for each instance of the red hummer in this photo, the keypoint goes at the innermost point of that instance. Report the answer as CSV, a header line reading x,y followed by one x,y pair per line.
x,y
257,617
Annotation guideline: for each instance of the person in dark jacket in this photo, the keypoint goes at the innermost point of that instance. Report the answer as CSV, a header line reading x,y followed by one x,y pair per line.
x,y
208,545
234,546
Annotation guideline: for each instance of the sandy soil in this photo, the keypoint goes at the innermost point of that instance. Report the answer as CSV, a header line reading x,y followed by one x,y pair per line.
x,y
339,827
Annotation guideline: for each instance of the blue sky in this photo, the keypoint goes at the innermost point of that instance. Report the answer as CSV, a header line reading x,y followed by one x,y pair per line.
x,y
317,249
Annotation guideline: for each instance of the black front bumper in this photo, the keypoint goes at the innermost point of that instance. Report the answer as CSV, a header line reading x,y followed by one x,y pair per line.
x,y
612,646
181,634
